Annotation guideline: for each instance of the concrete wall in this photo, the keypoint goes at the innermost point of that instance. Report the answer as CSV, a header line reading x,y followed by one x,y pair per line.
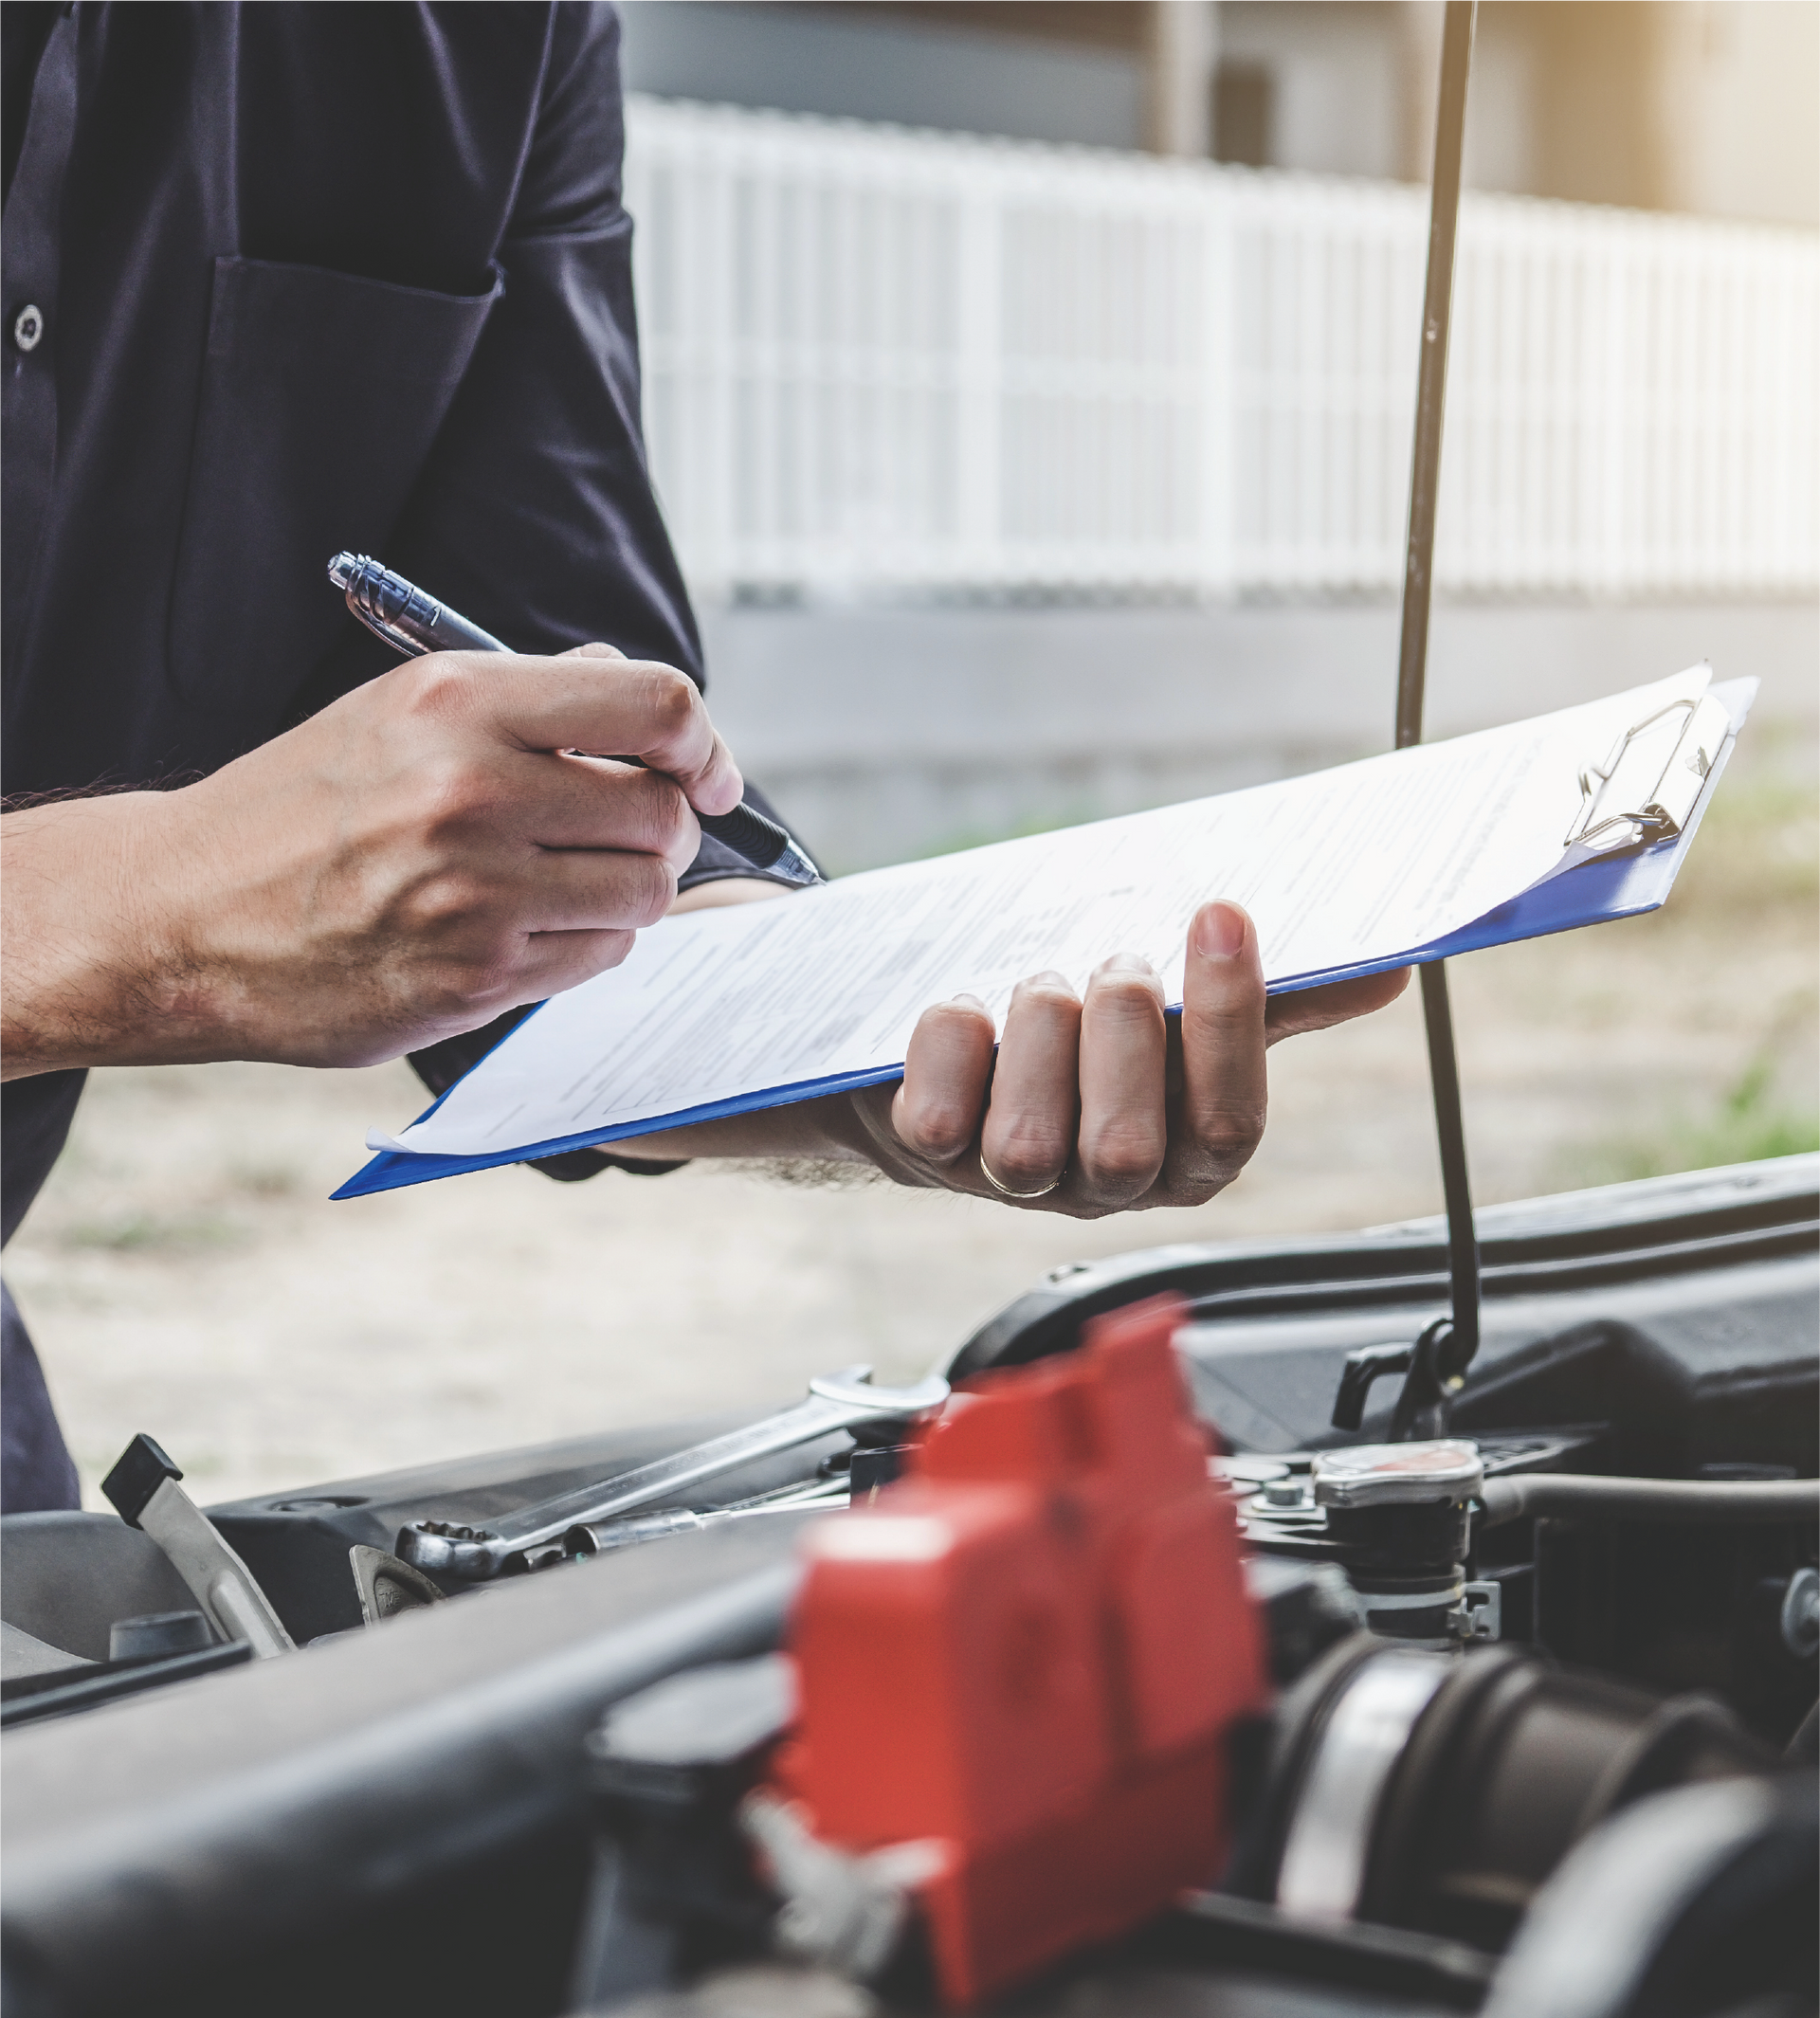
x,y
886,732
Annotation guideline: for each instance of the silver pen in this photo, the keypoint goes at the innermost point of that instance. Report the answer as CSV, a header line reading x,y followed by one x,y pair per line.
x,y
413,623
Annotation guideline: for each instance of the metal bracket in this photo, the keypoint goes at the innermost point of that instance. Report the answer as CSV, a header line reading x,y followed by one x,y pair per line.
x,y
1482,1611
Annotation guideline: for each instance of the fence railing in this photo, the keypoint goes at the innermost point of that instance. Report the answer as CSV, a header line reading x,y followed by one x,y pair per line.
x,y
878,359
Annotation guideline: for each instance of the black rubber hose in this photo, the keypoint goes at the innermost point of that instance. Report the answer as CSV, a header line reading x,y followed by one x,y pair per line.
x,y
1730,1503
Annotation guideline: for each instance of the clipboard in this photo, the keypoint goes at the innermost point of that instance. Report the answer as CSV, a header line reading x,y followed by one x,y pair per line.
x,y
1629,867
1641,805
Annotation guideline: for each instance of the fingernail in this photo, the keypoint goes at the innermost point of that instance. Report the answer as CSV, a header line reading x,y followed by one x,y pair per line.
x,y
1219,932
1128,963
966,1002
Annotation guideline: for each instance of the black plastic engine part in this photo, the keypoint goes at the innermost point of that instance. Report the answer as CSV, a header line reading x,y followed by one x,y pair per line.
x,y
31,1699
394,1822
154,1634
1680,1608
68,1577
1444,1807
1308,1608
672,1888
1675,1314
1690,1904
1217,1931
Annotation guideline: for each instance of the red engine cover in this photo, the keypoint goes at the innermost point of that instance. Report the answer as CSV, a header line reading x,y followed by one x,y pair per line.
x,y
1029,1652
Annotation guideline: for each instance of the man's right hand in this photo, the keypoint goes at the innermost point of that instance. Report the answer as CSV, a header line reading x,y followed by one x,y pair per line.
x,y
421,856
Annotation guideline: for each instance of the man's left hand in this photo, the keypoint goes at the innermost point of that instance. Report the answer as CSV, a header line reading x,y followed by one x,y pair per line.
x,y
1101,1103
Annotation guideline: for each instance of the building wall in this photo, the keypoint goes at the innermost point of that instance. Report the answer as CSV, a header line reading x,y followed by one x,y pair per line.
x,y
1700,105
1335,87
1335,71
1594,79
1029,71
1740,102
907,70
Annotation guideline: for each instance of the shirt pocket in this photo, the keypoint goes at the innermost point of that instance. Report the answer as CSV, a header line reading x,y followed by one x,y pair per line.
x,y
321,393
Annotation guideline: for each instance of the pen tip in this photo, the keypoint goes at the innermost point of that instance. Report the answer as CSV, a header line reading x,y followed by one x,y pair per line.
x,y
341,568
793,865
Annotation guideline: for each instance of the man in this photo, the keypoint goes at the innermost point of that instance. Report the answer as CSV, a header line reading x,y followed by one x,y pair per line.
x,y
280,281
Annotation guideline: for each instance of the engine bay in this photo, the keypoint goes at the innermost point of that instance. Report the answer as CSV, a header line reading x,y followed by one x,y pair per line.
x,y
1337,1694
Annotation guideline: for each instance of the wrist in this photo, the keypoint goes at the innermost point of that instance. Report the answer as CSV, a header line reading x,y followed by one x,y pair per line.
x,y
96,971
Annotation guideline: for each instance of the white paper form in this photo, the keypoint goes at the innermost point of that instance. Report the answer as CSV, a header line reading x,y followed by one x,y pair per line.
x,y
758,1004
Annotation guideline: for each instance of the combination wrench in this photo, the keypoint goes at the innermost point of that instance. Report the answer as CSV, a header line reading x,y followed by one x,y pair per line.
x,y
532,1537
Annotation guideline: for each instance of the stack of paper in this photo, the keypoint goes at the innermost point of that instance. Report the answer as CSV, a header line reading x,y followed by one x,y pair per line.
x,y
1400,857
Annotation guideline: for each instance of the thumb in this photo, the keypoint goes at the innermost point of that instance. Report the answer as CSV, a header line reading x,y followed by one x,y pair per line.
x,y
595,650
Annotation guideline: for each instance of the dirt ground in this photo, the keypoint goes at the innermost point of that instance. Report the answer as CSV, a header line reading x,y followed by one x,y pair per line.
x,y
185,1273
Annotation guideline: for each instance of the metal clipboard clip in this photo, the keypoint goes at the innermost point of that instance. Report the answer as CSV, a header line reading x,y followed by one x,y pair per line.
x,y
1649,786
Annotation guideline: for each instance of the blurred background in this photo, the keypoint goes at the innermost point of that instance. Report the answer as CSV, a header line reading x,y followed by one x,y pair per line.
x,y
1029,387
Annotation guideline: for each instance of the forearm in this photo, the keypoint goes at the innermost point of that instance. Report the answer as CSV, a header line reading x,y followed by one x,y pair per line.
x,y
85,978
830,1130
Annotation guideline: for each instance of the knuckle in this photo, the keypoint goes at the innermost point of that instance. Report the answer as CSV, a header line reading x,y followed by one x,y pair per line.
x,y
1228,1134
1127,998
596,952
673,699
941,1132
440,687
610,949
451,899
653,890
1049,991
940,1129
1190,1187
672,818
454,793
1026,1151
1238,1006
1020,1174
478,980
1123,1155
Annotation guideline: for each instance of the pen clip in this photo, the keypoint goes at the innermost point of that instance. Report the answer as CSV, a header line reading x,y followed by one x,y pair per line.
x,y
368,587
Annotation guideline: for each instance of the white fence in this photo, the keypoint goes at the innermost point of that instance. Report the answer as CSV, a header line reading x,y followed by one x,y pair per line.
x,y
878,359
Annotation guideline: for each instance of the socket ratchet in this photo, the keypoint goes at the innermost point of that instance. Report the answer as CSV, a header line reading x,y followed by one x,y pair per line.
x,y
532,1537
634,1530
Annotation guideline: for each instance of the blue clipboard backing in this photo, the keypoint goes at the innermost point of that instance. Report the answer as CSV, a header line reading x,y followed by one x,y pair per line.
x,y
1621,885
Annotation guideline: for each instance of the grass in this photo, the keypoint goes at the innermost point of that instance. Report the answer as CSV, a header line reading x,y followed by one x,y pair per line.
x,y
1758,847
265,1180
1752,1120
1752,879
153,1233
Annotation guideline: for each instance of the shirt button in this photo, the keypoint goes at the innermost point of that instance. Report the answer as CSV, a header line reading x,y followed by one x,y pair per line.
x,y
28,326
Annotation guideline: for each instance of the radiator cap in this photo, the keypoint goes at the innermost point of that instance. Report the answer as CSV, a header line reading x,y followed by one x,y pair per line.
x,y
1398,1474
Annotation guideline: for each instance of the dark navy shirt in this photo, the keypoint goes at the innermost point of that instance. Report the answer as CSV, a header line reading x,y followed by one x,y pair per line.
x,y
281,280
